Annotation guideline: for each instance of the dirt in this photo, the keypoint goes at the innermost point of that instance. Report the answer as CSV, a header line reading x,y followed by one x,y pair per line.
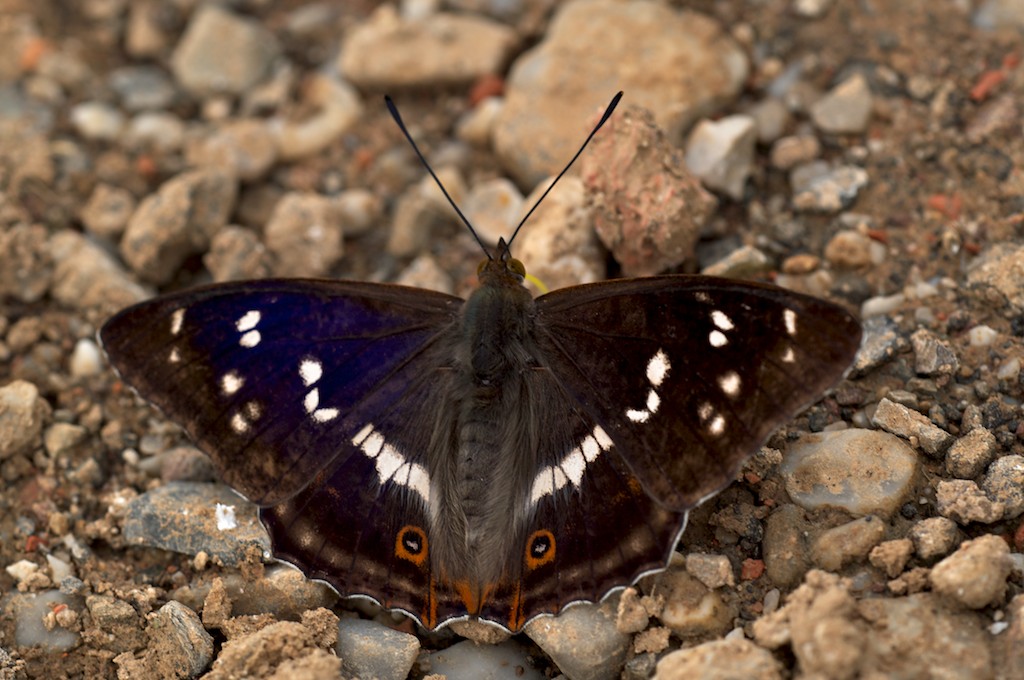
x,y
945,186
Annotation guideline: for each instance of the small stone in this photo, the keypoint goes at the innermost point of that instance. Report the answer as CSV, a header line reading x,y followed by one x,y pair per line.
x,y
1004,483
744,262
933,356
975,575
337,107
771,118
691,608
647,231
714,571
178,221
971,454
97,121
583,640
359,210
892,556
721,153
726,659
424,272
142,87
494,208
818,187
221,52
880,343
788,152
282,592
22,415
476,126
785,546
368,649
118,620
108,210
902,421
864,472
961,500
443,49
245,147
294,649
558,244
467,659
654,640
849,249
157,131
632,616
60,438
235,254
934,537
846,108
847,543
997,275
29,612
982,336
304,235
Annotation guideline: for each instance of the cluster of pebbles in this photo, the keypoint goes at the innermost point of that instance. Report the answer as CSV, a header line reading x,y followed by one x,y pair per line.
x,y
866,154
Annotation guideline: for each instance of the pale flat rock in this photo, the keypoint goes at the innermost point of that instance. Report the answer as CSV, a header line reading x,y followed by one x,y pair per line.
x,y
846,108
907,423
727,659
721,153
583,640
368,649
442,49
864,472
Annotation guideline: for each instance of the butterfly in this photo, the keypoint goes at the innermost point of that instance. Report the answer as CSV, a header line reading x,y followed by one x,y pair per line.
x,y
495,458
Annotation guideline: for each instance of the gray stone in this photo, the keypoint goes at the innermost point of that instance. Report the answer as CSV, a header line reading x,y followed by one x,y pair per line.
x,y
236,253
846,109
442,49
583,640
554,89
183,517
881,342
245,147
847,543
819,187
864,472
368,649
468,660
304,235
142,87
86,276
785,546
1004,483
721,153
961,500
933,356
108,210
904,422
691,608
186,646
714,571
221,52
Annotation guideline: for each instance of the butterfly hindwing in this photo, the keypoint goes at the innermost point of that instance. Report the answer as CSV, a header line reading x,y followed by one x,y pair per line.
x,y
665,366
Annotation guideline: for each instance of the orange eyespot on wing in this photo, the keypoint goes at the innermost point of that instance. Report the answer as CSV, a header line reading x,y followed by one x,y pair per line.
x,y
411,544
540,549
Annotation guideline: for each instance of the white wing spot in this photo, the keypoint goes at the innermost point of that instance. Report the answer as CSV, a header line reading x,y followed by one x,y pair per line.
x,y
653,401
312,400
788,357
231,383
248,321
388,463
638,416
250,339
602,438
789,316
717,426
730,383
177,320
722,321
543,484
657,368
362,434
419,481
323,415
310,370
574,466
705,411
717,338
239,424
590,449
373,444
175,356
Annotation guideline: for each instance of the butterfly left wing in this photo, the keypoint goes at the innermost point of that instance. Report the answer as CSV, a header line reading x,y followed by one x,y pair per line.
x,y
300,392
688,375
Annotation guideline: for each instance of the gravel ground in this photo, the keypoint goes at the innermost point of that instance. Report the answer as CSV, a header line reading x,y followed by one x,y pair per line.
x,y
864,152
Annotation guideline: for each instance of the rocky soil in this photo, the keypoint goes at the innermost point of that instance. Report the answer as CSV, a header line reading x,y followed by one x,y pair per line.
x,y
864,152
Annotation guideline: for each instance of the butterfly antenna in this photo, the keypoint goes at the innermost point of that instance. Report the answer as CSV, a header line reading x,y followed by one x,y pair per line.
x,y
401,126
607,114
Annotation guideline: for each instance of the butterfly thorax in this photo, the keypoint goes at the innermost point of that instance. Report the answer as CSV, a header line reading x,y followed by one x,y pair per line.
x,y
488,463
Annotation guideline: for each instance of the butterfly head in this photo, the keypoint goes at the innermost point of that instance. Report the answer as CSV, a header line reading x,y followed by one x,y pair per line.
x,y
503,269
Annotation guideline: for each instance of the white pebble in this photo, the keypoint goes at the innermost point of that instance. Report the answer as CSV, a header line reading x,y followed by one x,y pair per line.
x,y
85,359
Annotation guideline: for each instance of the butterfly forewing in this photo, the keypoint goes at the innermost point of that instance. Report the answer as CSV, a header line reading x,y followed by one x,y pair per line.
x,y
689,375
275,378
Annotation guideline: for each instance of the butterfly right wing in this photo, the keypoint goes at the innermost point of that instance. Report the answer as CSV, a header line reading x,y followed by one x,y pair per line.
x,y
317,401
